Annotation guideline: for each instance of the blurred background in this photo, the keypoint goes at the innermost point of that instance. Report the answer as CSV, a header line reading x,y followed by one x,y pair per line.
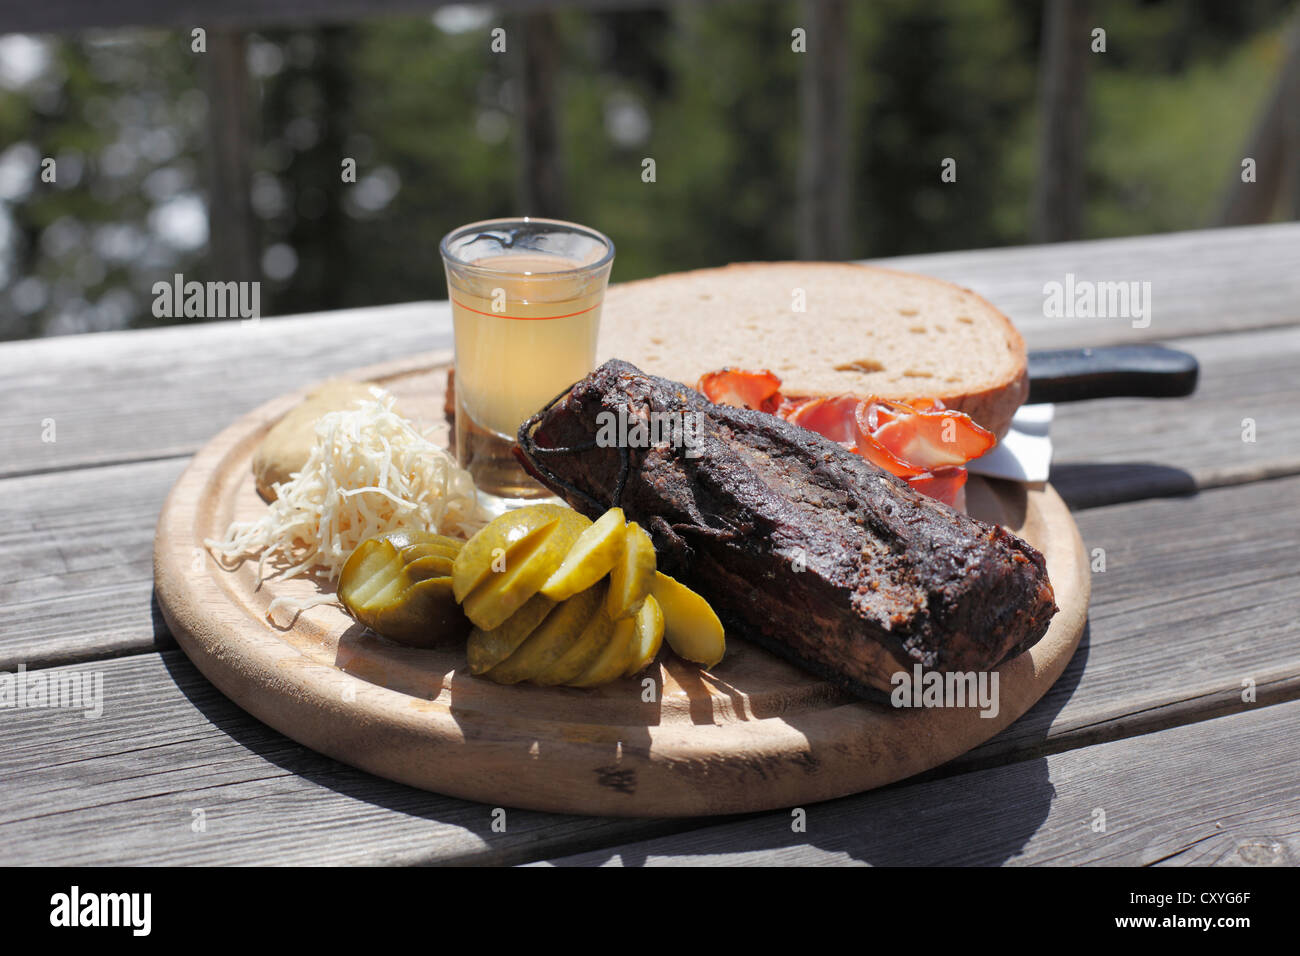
x,y
228,163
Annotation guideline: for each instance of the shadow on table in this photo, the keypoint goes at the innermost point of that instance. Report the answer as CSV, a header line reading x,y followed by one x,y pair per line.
x,y
288,754
530,832
1092,484
979,809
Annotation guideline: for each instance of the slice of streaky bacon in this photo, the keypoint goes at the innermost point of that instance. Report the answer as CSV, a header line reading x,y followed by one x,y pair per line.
x,y
918,440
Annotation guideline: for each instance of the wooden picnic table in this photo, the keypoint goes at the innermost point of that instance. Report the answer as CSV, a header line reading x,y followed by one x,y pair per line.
x,y
1177,718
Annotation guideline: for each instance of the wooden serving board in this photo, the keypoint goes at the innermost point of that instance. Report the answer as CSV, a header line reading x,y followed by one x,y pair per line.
x,y
753,734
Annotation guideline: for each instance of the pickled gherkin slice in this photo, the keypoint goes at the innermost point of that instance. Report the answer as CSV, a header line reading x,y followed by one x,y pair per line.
x,y
650,635
413,552
614,659
484,553
409,601
591,557
405,537
432,566
373,566
633,573
426,616
549,642
505,587
487,649
584,650
691,628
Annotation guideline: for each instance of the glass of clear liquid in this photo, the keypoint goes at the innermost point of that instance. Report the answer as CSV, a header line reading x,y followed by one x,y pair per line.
x,y
525,299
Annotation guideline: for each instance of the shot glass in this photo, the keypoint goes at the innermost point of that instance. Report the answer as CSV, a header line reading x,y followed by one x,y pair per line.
x,y
526,296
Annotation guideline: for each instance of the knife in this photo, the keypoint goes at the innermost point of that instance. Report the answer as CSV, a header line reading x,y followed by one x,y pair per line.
x,y
1115,371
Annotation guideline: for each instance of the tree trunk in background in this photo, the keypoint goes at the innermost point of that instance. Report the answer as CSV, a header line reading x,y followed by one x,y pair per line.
x,y
232,230
532,45
320,225
822,226
1062,97
1275,147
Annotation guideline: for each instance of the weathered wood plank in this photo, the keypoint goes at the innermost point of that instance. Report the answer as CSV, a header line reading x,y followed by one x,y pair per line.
x,y
1202,282
1126,449
1173,797
76,563
1196,597
169,751
128,396
157,393
75,549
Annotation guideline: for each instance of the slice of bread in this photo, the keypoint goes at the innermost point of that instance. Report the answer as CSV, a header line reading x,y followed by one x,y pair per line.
x,y
862,330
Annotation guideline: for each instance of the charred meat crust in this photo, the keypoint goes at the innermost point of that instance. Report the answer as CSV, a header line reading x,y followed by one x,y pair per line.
x,y
799,544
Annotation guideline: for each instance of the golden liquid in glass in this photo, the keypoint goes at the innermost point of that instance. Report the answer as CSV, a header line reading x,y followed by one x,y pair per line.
x,y
522,337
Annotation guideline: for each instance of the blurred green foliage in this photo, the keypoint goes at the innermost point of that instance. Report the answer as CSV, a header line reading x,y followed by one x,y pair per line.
x,y
710,91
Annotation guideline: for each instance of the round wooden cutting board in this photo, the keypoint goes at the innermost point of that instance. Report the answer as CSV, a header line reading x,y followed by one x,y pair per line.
x,y
755,733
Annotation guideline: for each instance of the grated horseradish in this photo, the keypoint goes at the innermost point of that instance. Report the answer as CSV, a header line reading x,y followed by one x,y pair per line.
x,y
370,472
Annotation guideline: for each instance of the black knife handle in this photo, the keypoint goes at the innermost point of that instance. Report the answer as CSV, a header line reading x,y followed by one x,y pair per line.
x,y
1116,371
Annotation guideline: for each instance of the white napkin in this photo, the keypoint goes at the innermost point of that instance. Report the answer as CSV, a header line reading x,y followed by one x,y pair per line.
x,y
1025,453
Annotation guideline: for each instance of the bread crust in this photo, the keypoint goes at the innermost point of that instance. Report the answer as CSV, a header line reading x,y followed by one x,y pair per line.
x,y
991,398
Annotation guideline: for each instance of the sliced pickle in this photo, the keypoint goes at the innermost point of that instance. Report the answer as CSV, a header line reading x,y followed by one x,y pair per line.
x,y
487,649
613,659
376,561
411,603
527,566
409,537
373,566
432,566
499,537
391,582
548,643
426,615
591,557
413,552
633,573
691,628
649,635
585,649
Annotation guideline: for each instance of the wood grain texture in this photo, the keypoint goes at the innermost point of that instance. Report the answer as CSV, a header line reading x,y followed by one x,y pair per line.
x,y
60,599
1154,658
754,733
1203,282
76,563
51,611
1124,682
128,396
124,789
1125,449
1216,792
1197,597
159,393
